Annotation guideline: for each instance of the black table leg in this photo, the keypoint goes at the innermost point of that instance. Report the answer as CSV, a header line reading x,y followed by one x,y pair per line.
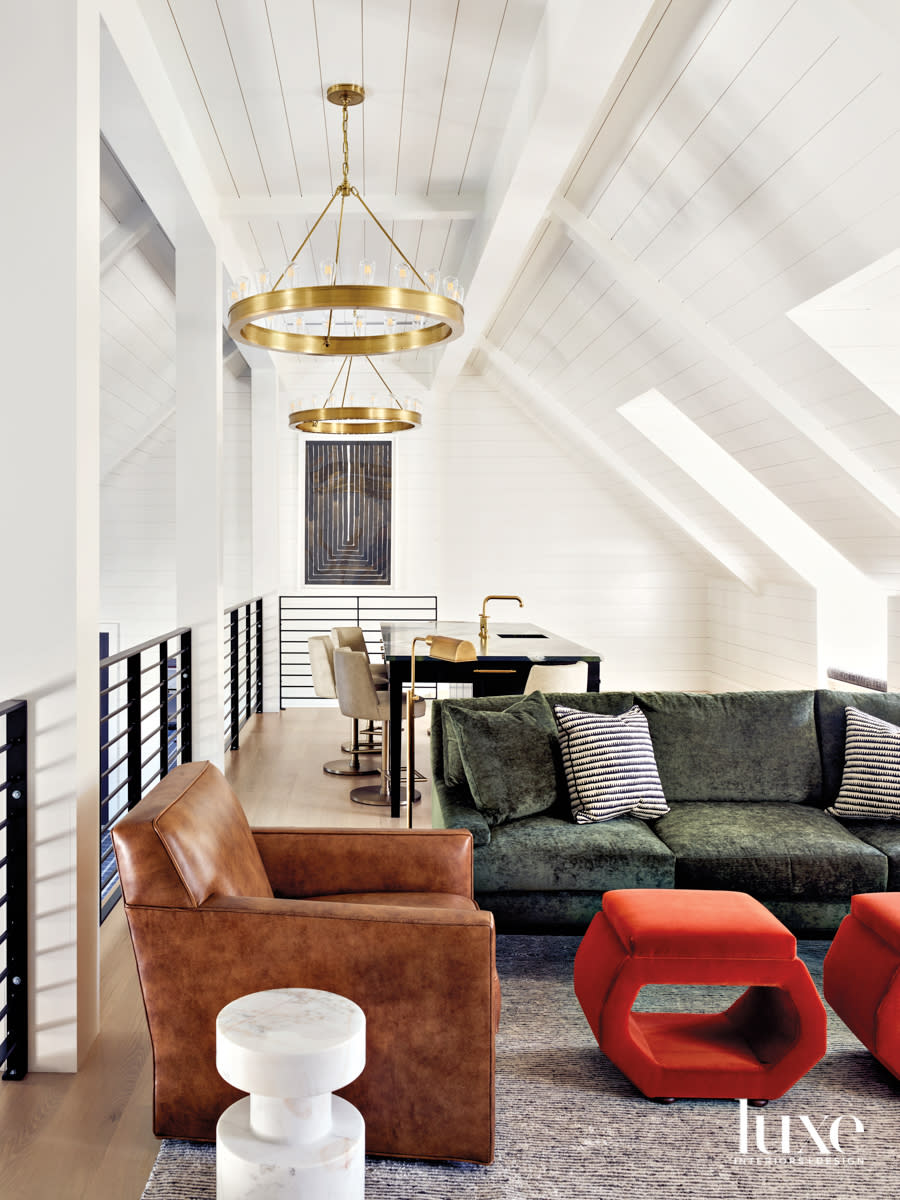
x,y
393,749
593,684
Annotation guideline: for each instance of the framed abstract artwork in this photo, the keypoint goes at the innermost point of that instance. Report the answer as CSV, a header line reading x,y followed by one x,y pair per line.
x,y
348,512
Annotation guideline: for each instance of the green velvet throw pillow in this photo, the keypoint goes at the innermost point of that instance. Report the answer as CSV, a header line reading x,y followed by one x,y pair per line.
x,y
509,757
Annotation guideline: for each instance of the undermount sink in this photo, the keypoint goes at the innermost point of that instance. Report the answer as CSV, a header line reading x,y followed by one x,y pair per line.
x,y
522,635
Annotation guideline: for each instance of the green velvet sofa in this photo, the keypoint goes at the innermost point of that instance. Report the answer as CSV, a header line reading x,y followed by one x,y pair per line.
x,y
747,777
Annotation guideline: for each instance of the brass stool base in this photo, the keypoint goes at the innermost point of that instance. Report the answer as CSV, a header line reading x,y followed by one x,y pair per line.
x,y
375,796
346,766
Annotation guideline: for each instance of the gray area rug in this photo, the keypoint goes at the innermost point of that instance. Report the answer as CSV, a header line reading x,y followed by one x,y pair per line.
x,y
570,1126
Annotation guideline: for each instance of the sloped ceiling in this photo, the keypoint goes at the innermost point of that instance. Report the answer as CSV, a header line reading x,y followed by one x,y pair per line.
x,y
634,196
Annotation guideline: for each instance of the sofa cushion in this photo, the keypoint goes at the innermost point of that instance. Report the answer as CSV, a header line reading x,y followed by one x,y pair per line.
x,y
831,720
771,850
549,855
735,745
884,836
454,772
509,758
609,765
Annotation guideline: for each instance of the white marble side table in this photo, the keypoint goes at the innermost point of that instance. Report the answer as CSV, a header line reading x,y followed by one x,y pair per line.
x,y
290,1048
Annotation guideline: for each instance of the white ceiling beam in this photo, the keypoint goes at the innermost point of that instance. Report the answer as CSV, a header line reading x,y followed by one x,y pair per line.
x,y
578,58
543,408
126,235
387,207
671,308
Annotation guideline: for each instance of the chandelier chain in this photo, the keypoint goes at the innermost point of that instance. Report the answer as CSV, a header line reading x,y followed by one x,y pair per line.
x,y
346,148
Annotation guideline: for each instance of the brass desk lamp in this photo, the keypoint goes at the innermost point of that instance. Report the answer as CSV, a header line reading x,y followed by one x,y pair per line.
x,y
447,649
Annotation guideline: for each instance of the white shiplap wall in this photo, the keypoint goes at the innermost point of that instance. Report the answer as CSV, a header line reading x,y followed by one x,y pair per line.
x,y
761,640
483,502
893,677
138,518
237,490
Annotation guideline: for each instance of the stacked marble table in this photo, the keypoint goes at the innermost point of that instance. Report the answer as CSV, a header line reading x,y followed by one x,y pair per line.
x,y
290,1048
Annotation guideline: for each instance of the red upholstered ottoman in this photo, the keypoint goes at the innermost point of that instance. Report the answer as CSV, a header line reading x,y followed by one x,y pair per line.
x,y
758,1048
862,974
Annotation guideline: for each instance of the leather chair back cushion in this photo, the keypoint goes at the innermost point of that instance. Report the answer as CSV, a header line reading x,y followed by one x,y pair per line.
x,y
187,841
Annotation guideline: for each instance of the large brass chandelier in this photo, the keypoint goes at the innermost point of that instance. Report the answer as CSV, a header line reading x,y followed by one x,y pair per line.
x,y
336,317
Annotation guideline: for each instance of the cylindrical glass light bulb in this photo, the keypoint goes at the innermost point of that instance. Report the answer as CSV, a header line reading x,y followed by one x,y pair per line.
x,y
403,276
432,279
328,271
367,270
451,287
261,281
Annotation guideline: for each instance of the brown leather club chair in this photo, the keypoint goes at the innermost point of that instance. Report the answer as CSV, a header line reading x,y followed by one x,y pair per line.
x,y
384,917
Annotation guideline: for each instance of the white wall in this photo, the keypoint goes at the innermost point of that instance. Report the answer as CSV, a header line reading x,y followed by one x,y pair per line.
x,y
237,490
764,639
137,542
893,675
483,502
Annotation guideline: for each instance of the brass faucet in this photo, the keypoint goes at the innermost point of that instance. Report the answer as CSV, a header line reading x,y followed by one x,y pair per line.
x,y
483,622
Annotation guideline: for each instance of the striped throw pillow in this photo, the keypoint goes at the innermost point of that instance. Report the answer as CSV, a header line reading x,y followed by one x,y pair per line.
x,y
871,783
609,765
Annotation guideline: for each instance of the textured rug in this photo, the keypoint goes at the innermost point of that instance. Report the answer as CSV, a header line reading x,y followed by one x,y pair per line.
x,y
570,1126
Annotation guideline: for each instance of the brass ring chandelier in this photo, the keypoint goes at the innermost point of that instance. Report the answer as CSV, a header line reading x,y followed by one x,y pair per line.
x,y
275,318
350,419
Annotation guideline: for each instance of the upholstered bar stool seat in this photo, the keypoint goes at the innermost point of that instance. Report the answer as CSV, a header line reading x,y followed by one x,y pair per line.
x,y
321,665
557,677
757,1048
359,697
353,638
862,974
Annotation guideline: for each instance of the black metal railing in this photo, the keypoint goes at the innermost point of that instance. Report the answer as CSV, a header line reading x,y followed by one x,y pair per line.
x,y
243,667
302,616
14,882
145,730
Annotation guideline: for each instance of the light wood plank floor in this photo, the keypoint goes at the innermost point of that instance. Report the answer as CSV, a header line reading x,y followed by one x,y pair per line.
x,y
88,1136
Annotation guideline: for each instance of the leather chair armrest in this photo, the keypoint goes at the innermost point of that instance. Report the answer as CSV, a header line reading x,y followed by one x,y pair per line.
x,y
315,862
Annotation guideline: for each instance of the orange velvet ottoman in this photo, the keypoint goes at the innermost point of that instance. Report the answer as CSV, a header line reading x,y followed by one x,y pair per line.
x,y
756,1049
862,974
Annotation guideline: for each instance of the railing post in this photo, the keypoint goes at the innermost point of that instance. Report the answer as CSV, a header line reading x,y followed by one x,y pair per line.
x,y
17,891
163,708
259,655
248,661
234,678
133,740
187,707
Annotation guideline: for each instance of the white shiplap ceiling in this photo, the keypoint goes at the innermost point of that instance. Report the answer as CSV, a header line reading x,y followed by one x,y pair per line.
x,y
735,158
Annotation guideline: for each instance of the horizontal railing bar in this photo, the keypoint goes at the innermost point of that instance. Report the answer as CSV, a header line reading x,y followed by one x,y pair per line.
x,y
109,770
118,788
115,712
133,650
9,706
112,741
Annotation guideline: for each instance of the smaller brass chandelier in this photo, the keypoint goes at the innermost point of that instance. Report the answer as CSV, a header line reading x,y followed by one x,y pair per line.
x,y
339,417
341,318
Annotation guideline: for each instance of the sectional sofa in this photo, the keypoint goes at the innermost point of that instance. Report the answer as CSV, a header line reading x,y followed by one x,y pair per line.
x,y
747,777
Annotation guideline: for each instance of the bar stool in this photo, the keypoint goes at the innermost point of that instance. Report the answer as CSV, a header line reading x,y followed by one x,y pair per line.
x,y
321,664
358,697
354,638
557,677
